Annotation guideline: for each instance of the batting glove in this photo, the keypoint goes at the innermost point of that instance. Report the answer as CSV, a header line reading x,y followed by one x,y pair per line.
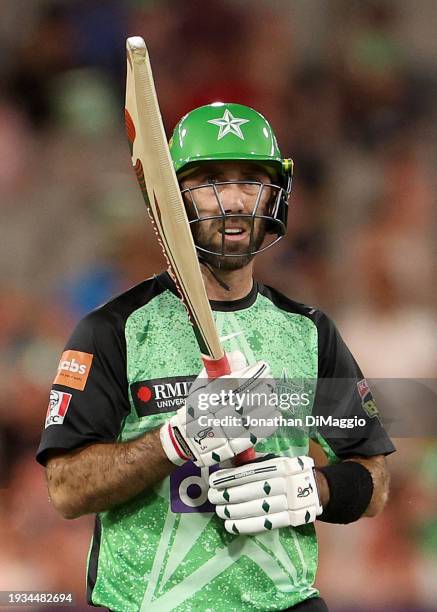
x,y
265,495
219,419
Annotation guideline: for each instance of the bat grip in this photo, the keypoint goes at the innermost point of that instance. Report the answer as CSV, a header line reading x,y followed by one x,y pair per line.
x,y
214,369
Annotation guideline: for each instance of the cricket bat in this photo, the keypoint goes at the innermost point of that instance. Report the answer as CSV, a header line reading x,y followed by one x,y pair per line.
x,y
159,186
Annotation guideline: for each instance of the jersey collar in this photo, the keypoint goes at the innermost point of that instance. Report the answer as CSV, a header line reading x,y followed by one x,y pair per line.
x,y
219,305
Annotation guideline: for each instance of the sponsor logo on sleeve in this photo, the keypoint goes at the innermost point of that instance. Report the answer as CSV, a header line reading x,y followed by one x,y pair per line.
x,y
367,401
57,408
73,369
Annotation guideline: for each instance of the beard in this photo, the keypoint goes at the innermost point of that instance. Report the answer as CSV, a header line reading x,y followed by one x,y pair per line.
x,y
231,259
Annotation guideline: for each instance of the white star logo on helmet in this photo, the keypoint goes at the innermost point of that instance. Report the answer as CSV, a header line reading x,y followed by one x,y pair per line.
x,y
229,124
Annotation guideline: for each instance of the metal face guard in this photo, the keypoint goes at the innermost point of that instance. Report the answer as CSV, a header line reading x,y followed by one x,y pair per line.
x,y
273,218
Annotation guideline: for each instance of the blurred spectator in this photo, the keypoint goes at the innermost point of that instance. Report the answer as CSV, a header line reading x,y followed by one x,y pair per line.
x,y
352,102
45,53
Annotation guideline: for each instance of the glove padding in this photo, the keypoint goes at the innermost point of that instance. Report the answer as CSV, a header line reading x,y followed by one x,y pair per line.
x,y
266,495
184,437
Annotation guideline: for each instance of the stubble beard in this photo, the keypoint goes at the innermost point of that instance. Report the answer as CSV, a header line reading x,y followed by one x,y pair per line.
x,y
229,262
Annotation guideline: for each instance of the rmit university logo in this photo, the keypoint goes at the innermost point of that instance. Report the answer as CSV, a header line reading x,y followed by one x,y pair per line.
x,y
160,395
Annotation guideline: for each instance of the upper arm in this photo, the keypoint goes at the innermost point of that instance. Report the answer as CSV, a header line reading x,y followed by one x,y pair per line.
x,y
89,397
343,393
57,457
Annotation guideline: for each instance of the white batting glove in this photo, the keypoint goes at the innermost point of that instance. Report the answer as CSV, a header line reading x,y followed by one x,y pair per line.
x,y
191,435
265,495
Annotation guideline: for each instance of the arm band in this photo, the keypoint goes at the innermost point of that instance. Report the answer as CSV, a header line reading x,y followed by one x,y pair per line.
x,y
350,491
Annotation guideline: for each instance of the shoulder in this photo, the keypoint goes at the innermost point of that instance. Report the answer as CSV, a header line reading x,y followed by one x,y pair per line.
x,y
283,302
328,334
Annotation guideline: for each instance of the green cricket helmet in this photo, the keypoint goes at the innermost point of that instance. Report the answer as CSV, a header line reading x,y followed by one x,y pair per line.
x,y
221,132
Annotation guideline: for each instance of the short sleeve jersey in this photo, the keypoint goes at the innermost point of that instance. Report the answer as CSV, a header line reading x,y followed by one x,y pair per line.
x,y
125,370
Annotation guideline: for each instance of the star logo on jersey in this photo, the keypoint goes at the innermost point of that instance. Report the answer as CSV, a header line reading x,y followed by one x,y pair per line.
x,y
191,525
230,336
229,124
285,388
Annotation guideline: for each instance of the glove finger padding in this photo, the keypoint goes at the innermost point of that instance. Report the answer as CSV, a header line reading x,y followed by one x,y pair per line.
x,y
246,380
215,427
252,472
253,491
219,418
260,524
266,495
238,394
256,507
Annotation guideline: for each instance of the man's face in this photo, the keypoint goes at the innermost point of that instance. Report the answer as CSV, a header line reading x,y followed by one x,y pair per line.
x,y
233,237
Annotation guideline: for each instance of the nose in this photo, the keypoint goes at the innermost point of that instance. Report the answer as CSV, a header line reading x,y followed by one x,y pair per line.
x,y
232,198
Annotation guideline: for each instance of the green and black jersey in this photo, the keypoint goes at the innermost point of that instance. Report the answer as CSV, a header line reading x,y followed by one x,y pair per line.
x,y
125,370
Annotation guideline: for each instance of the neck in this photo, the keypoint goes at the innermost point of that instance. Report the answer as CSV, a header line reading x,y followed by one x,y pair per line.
x,y
240,283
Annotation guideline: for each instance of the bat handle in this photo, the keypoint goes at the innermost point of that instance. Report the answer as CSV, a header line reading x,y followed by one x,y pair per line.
x,y
246,456
214,369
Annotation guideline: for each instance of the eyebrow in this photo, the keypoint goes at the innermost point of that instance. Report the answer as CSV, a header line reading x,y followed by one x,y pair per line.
x,y
215,169
254,168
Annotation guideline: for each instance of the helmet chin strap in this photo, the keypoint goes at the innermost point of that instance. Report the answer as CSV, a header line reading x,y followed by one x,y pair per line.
x,y
211,269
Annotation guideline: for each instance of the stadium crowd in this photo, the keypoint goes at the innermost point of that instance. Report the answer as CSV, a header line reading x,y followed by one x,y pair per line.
x,y
350,89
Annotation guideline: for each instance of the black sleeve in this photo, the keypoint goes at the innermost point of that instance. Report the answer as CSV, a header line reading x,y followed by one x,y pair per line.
x,y
343,393
89,397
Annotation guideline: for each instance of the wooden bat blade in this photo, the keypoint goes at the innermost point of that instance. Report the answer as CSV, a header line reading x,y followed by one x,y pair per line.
x,y
157,178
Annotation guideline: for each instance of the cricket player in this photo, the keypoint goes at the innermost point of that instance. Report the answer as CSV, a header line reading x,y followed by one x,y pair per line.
x,y
132,433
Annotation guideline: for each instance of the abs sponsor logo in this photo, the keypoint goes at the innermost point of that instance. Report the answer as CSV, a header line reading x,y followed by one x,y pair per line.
x,y
73,370
57,408
160,395
367,401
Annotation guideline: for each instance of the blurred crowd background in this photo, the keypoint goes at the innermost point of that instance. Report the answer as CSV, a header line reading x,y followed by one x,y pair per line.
x,y
350,88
